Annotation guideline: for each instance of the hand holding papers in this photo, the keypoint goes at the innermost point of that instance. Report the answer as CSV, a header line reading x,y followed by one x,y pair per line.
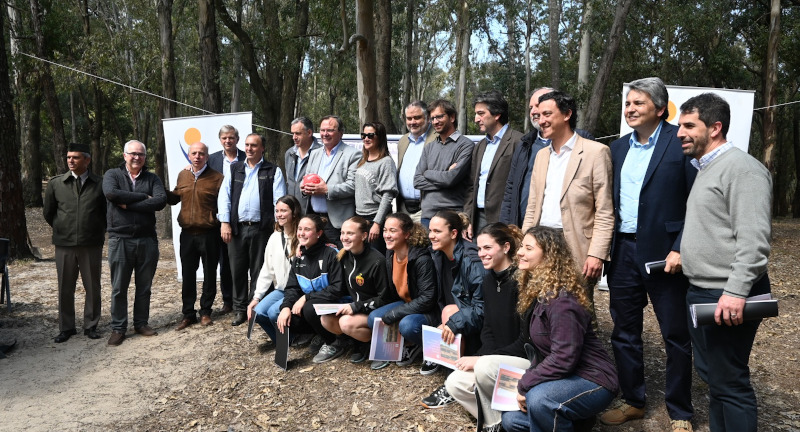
x,y
504,396
387,342
756,307
435,350
328,308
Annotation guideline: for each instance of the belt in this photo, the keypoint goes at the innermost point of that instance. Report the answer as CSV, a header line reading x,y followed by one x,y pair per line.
x,y
627,236
250,223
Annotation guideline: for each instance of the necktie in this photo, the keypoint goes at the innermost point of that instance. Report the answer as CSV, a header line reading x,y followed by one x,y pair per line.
x,y
78,184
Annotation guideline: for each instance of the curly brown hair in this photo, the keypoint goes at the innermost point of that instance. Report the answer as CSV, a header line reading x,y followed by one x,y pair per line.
x,y
418,237
556,272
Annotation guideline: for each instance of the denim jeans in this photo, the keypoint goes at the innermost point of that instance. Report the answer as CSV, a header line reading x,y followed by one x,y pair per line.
x,y
554,405
267,311
410,326
126,256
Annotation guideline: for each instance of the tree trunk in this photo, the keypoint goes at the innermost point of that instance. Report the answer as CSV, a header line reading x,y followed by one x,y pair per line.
x,y
583,58
383,61
529,22
409,65
209,57
796,145
770,88
13,224
365,62
603,75
462,53
236,91
292,70
49,89
31,123
555,52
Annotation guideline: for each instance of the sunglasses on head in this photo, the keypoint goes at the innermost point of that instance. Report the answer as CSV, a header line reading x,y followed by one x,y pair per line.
x,y
370,135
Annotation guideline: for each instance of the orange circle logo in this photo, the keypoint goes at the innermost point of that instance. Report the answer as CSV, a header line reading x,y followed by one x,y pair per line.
x,y
191,136
673,111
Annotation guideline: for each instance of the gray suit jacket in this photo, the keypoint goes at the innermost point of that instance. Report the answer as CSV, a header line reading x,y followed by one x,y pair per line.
x,y
341,181
291,158
215,159
498,175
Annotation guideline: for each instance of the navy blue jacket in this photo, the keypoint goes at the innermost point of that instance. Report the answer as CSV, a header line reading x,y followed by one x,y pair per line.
x,y
662,200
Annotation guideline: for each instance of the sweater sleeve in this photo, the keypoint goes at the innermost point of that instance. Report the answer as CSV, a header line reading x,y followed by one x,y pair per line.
x,y
749,199
387,187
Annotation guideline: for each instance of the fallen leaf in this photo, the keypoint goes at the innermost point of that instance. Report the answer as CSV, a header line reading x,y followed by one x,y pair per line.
x,y
355,411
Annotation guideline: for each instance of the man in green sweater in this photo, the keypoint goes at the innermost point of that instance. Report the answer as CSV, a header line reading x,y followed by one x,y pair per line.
x,y
726,244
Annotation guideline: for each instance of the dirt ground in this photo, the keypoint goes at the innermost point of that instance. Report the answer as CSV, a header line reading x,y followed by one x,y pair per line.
x,y
213,378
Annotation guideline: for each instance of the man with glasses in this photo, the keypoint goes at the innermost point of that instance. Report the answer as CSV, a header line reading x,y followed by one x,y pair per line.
x,y
334,195
442,175
134,196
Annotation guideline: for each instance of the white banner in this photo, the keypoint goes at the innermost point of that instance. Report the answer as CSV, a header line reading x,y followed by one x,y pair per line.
x,y
179,133
741,102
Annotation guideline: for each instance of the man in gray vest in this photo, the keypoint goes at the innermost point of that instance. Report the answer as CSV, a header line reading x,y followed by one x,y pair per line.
x,y
246,206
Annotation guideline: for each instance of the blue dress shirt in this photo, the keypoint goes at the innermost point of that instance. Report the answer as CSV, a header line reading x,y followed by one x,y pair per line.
x,y
632,175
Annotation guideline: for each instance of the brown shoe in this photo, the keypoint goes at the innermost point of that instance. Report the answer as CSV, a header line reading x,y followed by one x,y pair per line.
x,y
186,322
681,426
226,309
205,320
146,331
116,338
621,413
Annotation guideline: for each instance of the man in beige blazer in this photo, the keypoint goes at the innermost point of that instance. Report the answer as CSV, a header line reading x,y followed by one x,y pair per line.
x,y
571,186
409,150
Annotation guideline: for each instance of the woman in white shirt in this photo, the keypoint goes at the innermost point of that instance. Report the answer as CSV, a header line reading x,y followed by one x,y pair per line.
x,y
281,246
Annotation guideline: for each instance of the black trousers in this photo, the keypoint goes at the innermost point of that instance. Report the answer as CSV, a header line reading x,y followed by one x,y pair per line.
x,y
722,357
629,291
197,248
246,254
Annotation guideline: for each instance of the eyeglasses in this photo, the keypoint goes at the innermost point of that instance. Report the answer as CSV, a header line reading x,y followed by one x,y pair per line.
x,y
370,135
439,117
138,155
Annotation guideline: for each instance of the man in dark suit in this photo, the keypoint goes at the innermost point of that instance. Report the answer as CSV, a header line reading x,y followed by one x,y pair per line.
x,y
652,180
221,162
491,160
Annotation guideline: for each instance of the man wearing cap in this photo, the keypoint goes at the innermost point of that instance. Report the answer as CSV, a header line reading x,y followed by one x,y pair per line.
x,y
74,205
197,190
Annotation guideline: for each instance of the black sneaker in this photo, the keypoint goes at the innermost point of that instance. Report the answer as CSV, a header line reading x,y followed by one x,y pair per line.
x,y
440,398
302,339
410,354
316,344
429,368
360,352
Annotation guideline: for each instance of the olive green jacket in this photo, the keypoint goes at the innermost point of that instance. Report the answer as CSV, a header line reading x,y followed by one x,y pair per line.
x,y
77,220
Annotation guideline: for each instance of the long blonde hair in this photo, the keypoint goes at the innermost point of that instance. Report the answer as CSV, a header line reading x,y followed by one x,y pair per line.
x,y
556,272
297,213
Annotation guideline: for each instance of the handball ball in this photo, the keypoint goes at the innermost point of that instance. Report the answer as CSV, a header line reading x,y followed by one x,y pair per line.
x,y
311,178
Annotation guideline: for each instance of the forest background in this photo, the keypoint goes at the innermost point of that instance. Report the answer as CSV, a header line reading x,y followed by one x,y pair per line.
x,y
364,60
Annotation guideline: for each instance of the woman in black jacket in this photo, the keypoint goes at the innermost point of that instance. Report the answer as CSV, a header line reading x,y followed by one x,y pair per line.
x,y
412,279
314,270
365,288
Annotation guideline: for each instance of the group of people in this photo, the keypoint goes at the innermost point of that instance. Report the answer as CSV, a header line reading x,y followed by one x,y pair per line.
x,y
451,255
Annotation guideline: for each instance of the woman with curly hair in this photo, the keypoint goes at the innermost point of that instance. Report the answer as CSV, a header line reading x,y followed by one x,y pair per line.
x,y
572,378
413,278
